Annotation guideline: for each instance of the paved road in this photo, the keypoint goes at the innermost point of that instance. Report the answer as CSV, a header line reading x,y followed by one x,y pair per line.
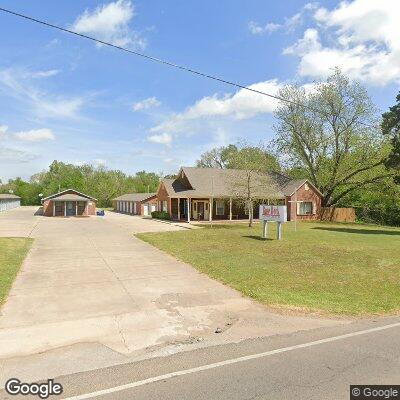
x,y
90,294
297,366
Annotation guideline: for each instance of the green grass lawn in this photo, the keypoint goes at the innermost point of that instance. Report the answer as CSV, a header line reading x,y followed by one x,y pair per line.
x,y
323,267
12,254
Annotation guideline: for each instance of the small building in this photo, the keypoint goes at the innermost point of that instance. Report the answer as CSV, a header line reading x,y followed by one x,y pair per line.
x,y
213,194
9,201
69,203
136,203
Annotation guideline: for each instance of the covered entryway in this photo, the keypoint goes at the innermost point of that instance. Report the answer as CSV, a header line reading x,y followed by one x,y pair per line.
x,y
71,208
69,203
201,210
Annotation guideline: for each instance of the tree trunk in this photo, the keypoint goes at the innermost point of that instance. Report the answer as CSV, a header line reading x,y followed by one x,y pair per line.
x,y
250,214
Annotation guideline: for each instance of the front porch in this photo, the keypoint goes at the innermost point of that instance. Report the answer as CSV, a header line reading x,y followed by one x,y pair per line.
x,y
211,209
63,208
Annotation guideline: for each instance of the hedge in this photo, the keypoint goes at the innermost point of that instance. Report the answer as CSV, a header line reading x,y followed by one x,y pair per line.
x,y
160,215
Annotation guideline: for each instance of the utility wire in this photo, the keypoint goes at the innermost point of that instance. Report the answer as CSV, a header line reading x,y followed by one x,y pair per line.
x,y
161,61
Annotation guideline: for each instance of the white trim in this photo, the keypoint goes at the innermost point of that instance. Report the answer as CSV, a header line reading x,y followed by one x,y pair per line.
x,y
306,181
67,190
230,361
304,201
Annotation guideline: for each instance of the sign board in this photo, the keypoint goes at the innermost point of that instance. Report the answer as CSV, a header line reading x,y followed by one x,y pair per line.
x,y
273,213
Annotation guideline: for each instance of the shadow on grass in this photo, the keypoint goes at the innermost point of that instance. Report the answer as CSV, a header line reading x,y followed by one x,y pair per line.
x,y
360,231
257,238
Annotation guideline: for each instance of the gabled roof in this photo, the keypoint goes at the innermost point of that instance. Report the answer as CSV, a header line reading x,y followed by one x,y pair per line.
x,y
135,197
216,182
8,196
59,194
70,197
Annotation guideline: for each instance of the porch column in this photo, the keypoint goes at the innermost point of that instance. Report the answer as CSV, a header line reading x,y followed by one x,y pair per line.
x,y
179,208
188,209
211,209
230,208
65,208
76,208
54,208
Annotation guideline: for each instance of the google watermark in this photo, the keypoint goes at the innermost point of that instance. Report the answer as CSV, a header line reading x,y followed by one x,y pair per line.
x,y
43,390
374,392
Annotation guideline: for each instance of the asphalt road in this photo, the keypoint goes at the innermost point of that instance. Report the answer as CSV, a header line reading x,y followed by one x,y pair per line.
x,y
316,364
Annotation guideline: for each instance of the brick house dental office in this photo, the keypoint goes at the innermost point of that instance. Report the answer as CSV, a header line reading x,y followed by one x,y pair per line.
x,y
69,203
211,194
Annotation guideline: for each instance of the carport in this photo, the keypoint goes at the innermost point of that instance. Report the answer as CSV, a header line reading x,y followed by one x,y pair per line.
x,y
9,201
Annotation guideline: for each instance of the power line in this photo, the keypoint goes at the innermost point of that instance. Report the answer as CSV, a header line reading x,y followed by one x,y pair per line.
x,y
161,61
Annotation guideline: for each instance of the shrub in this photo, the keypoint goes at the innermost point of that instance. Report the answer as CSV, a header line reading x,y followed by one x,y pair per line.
x,y
160,215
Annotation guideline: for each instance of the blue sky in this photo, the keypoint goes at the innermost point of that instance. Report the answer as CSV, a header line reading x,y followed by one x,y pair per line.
x,y
65,98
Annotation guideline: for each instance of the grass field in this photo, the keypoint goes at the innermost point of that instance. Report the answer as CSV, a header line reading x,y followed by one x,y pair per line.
x,y
12,254
323,267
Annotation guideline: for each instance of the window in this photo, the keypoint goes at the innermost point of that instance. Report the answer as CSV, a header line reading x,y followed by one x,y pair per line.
x,y
220,207
305,208
306,186
165,206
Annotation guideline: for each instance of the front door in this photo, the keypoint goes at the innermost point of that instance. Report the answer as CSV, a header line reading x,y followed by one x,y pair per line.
x,y
70,208
200,210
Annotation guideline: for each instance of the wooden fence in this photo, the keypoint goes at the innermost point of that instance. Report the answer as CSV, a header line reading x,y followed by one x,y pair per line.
x,y
338,214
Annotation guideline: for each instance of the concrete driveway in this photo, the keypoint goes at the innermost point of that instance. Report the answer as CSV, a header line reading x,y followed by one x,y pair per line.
x,y
89,281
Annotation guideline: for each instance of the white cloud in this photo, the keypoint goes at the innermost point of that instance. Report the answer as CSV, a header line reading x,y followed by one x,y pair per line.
x,y
3,130
35,135
288,25
163,138
145,104
99,162
19,84
363,42
12,155
257,29
242,105
46,74
110,23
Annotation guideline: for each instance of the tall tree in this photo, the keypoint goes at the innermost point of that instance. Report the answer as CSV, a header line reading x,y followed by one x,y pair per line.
x,y
239,156
391,128
249,183
217,158
330,133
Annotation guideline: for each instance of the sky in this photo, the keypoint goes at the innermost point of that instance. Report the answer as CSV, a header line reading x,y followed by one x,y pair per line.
x,y
65,98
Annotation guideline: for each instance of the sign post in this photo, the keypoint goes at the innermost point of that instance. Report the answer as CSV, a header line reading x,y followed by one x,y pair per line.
x,y
276,214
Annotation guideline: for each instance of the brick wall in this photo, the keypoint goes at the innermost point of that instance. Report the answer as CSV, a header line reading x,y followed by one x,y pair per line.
x,y
304,195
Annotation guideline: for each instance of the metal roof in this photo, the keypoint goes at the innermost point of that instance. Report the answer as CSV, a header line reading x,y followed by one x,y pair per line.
x,y
135,197
8,196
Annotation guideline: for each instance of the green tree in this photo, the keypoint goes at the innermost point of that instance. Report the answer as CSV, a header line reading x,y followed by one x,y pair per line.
x,y
391,128
250,184
96,181
330,133
238,157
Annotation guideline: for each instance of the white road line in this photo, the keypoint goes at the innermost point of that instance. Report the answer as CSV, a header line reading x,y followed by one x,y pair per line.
x,y
228,362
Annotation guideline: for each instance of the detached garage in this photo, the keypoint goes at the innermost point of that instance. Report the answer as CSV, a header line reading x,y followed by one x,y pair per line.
x,y
136,203
9,201
69,203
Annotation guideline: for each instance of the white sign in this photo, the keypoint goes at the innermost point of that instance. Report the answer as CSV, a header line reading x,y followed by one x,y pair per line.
x,y
273,213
